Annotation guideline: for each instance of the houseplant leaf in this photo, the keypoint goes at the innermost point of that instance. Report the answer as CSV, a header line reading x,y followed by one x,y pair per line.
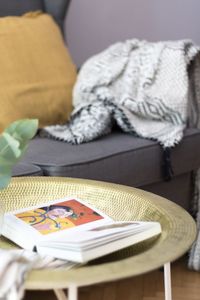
x,y
9,147
13,144
4,180
23,130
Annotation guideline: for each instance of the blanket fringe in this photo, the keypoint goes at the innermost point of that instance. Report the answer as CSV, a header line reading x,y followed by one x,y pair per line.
x,y
167,166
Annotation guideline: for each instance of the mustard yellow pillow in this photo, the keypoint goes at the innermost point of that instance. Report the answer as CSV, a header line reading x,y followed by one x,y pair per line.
x,y
36,71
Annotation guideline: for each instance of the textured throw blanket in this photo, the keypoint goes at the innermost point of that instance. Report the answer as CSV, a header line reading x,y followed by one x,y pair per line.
x,y
149,89
15,266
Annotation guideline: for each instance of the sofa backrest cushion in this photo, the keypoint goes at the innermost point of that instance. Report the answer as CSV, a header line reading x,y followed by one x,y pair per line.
x,y
56,8
19,7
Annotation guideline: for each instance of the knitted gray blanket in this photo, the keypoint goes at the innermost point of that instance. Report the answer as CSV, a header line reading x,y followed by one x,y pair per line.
x,y
148,89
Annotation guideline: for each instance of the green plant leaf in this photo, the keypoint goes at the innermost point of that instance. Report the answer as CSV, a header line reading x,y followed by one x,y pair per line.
x,y
4,180
23,130
9,147
23,149
13,144
5,140
5,169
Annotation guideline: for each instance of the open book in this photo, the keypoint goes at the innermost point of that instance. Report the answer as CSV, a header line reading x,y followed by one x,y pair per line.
x,y
73,230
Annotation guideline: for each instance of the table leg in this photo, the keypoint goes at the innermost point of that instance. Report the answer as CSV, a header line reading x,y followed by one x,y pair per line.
x,y
72,293
60,294
167,281
73,290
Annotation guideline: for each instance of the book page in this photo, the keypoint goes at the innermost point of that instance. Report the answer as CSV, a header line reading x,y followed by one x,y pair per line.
x,y
108,231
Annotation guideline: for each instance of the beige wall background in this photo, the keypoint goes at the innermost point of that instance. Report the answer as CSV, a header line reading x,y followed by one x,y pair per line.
x,y
92,25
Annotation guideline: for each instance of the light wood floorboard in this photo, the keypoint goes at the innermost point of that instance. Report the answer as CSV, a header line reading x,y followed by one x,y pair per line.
x,y
185,286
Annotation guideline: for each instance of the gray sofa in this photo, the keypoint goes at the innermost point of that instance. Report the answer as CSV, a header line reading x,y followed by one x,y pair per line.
x,y
117,157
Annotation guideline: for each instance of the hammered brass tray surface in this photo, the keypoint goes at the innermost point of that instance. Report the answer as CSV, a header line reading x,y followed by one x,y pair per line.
x,y
119,202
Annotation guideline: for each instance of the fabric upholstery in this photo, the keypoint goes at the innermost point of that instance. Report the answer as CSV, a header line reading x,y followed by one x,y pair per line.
x,y
23,169
38,73
118,158
178,190
19,7
56,8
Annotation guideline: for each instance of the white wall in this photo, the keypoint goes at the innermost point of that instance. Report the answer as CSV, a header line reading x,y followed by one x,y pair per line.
x,y
92,25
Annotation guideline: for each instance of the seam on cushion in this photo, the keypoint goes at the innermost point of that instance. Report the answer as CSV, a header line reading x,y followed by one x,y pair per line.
x,y
61,171
115,154
47,172
94,159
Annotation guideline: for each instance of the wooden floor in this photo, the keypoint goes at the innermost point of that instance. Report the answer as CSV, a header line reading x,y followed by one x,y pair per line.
x,y
185,285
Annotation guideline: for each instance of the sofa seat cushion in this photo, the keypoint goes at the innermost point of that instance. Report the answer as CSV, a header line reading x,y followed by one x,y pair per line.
x,y
25,169
118,157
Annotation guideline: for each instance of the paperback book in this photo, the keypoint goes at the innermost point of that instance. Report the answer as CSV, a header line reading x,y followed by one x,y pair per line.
x,y
73,230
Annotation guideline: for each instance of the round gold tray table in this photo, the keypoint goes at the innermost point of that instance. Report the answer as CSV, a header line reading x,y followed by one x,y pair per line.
x,y
119,202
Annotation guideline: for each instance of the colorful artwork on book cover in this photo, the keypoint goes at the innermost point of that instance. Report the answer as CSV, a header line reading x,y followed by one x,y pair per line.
x,y
59,216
